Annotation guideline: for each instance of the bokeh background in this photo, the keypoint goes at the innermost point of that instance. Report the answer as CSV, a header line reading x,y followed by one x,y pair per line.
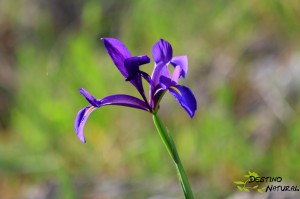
x,y
244,68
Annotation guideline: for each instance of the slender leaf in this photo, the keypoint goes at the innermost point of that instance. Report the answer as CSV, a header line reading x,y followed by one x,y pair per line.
x,y
246,189
260,190
239,182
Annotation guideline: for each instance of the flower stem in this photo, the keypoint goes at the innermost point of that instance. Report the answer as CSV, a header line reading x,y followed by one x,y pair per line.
x,y
170,145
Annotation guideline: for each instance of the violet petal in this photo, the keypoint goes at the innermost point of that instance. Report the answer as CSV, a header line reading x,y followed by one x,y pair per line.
x,y
118,53
118,99
176,74
162,51
91,99
124,100
181,61
160,70
165,82
132,65
80,120
185,97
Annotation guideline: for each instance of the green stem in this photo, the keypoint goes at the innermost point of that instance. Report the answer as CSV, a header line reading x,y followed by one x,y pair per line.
x,y
170,145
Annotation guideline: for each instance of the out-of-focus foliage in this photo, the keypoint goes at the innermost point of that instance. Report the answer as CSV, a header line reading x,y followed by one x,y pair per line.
x,y
243,68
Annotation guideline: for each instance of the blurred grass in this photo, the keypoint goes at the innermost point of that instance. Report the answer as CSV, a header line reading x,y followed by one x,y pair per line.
x,y
218,146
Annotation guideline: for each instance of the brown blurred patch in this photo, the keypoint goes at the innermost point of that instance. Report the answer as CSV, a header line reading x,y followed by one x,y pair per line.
x,y
8,41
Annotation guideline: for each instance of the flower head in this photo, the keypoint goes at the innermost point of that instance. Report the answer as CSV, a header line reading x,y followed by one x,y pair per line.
x,y
160,81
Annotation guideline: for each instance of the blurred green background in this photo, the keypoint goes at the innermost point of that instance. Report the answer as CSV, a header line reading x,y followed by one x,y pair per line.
x,y
243,68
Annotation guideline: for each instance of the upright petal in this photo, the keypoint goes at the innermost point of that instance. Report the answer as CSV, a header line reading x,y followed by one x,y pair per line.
x,y
160,70
181,61
162,51
185,97
118,53
176,74
80,120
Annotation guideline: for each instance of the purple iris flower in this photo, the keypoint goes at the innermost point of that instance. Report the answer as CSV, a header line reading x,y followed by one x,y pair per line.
x,y
160,81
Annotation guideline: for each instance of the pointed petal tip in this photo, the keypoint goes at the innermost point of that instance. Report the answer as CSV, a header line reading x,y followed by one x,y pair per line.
x,y
80,137
82,140
192,114
108,39
90,98
105,39
81,90
118,53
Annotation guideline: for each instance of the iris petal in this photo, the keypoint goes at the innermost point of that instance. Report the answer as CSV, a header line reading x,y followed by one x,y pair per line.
x,y
185,97
118,99
91,99
80,120
181,61
124,100
127,65
118,53
160,70
176,74
132,65
162,51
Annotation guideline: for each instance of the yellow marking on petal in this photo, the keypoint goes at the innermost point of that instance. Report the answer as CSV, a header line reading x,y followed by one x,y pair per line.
x,y
176,89
89,110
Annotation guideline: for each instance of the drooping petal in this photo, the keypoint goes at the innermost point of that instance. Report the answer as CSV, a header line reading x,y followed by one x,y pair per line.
x,y
118,99
80,120
162,51
91,99
124,100
181,61
185,97
118,53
